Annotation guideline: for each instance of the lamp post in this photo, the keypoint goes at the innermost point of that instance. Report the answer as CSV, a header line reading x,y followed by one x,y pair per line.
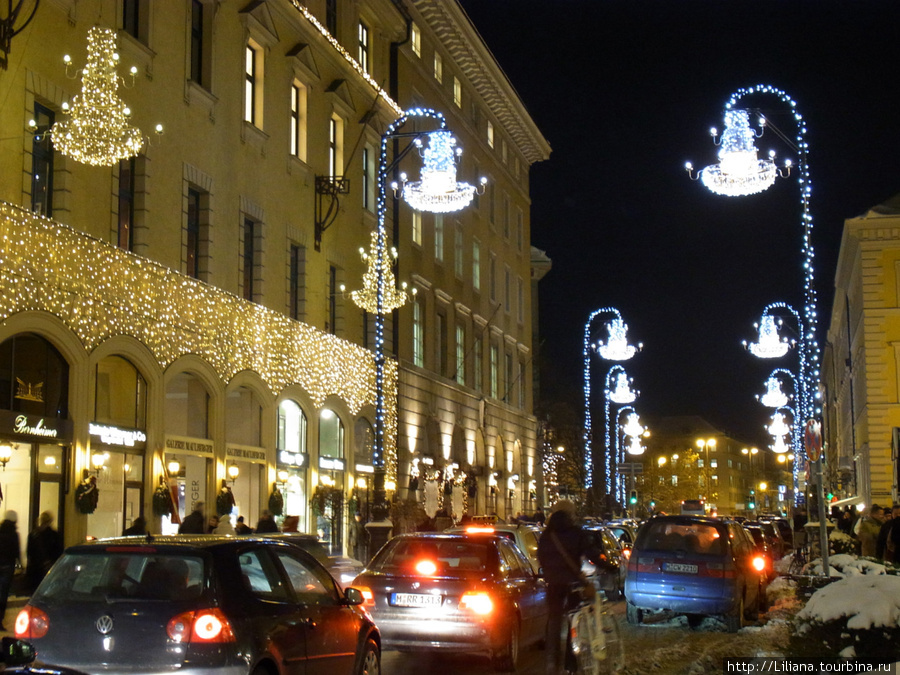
x,y
622,394
705,444
616,348
750,452
436,192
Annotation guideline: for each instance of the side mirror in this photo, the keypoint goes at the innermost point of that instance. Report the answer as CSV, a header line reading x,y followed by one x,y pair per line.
x,y
17,652
353,596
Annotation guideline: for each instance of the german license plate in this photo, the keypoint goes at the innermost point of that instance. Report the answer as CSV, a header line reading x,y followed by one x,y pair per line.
x,y
681,567
415,600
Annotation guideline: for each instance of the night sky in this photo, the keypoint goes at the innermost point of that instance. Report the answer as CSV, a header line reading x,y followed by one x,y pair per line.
x,y
625,91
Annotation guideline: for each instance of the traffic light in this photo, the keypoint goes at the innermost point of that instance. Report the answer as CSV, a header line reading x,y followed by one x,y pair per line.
x,y
633,498
652,504
751,503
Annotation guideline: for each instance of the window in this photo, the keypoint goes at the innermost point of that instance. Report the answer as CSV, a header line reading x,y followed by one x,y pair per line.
x,y
714,463
415,39
492,277
369,178
495,365
253,84
503,150
478,357
476,265
508,382
417,227
296,272
507,289
506,224
42,162
460,354
298,120
192,254
331,324
457,92
442,346
439,237
492,203
520,379
335,147
250,232
458,251
363,48
490,134
438,67
520,299
331,16
126,204
201,44
418,333
520,229
134,18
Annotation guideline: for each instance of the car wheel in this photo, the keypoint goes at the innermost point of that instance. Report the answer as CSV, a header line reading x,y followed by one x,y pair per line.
x,y
615,594
694,620
763,597
633,615
734,620
371,661
506,656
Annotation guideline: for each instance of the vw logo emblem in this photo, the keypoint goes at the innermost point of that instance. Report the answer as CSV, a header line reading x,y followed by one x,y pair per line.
x,y
104,625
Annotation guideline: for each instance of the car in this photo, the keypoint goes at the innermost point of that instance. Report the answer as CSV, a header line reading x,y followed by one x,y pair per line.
x,y
198,604
784,529
764,547
459,592
625,533
342,568
610,570
524,536
694,565
774,541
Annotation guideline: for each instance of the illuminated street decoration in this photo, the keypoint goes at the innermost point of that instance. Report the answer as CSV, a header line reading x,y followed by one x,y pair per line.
x,y
437,191
774,396
96,131
633,427
616,348
623,393
635,447
778,446
778,427
769,344
379,275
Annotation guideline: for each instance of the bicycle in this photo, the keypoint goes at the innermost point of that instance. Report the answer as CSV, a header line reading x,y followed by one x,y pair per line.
x,y
798,561
594,644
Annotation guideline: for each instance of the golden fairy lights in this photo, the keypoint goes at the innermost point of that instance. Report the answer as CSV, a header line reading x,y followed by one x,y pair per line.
x,y
100,291
97,131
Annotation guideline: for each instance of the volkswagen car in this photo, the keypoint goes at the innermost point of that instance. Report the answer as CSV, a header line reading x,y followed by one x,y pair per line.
x,y
466,592
198,604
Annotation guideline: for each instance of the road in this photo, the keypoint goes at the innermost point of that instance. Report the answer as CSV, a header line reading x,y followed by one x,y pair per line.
x,y
663,645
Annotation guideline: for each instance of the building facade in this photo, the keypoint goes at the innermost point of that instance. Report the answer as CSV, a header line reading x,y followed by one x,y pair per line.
x,y
179,322
861,369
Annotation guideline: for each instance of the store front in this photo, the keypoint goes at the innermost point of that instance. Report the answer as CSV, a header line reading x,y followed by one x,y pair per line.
x,y
35,434
292,462
245,458
328,498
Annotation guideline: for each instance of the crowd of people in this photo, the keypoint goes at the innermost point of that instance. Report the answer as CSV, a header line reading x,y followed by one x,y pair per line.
x,y
877,530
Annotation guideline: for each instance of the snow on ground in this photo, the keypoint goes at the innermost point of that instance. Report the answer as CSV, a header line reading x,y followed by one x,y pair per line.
x,y
867,600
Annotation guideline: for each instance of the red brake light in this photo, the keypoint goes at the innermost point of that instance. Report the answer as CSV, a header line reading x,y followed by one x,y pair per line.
x,y
626,553
205,625
480,530
426,567
759,563
477,601
32,623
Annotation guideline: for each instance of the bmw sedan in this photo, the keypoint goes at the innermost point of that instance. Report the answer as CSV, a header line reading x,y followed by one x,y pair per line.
x,y
195,605
455,592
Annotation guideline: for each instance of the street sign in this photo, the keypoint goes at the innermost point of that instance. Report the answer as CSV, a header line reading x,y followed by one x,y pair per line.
x,y
812,439
630,467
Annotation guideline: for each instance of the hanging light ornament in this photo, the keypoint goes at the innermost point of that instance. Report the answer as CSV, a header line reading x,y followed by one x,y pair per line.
x,y
616,347
379,271
779,427
774,397
779,447
635,447
633,427
437,191
769,345
96,131
739,171
623,393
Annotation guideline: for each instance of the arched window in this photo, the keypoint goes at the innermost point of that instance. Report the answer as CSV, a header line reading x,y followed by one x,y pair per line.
x,y
331,434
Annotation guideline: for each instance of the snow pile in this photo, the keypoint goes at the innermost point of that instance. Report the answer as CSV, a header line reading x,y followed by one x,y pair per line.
x,y
845,565
866,600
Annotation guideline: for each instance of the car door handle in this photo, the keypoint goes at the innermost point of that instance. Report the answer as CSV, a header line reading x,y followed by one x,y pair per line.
x,y
306,623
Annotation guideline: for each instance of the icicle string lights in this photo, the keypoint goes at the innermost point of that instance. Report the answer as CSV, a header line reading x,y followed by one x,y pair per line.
x,y
96,131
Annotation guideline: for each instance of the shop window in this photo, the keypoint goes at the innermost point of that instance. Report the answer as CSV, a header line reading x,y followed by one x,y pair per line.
x,y
120,398
292,428
187,407
42,159
331,435
243,417
34,377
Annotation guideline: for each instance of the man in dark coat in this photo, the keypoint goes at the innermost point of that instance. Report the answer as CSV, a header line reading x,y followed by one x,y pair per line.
x,y
44,547
10,554
138,527
194,522
266,523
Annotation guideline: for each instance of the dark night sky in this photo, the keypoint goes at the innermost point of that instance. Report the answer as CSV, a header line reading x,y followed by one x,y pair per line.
x,y
625,91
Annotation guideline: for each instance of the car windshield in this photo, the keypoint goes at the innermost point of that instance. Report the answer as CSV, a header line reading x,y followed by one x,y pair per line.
x,y
106,575
703,538
448,555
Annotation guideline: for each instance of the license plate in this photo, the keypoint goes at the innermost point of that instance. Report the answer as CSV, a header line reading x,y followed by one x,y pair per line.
x,y
681,567
416,600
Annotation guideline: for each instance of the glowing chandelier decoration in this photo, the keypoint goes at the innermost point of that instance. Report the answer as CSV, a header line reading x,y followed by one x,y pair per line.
x,y
769,344
774,396
379,272
96,131
623,393
633,427
437,191
779,427
778,446
739,171
616,348
635,447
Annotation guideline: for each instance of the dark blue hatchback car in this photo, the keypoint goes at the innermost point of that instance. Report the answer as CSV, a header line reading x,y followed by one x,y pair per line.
x,y
697,566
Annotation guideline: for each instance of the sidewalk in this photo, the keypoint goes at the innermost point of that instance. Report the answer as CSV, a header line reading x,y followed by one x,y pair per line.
x,y
13,606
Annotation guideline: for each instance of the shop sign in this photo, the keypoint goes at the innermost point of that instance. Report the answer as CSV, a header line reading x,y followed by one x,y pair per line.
x,y
249,453
196,446
127,438
32,425
331,464
293,458
365,468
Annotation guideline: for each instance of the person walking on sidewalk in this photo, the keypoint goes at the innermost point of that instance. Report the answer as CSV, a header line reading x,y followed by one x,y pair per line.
x,y
10,556
44,547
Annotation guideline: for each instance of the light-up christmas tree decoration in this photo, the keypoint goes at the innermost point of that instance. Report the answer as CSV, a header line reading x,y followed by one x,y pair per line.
x,y
96,131
769,344
437,191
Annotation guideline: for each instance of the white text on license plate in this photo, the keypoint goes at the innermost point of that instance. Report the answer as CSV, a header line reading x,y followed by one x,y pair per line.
x,y
416,600
681,567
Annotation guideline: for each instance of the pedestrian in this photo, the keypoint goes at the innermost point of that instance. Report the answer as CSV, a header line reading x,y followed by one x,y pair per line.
x,y
868,531
266,523
212,524
225,526
138,527
356,541
10,556
560,551
194,522
442,520
291,524
883,549
43,548
242,527
539,517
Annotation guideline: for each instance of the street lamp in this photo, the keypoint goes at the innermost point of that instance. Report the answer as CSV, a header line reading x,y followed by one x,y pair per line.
x,y
750,452
615,348
705,445
439,192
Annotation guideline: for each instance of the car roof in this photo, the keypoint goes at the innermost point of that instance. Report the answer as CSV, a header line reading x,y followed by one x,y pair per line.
x,y
172,541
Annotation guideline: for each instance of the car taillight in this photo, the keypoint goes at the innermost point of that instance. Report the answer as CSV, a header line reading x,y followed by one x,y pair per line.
x,y
32,623
477,601
759,563
426,567
626,553
368,596
200,626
